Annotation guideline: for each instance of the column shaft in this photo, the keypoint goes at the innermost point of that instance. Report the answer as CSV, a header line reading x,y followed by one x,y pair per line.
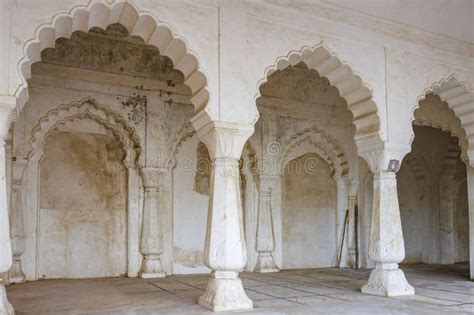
x,y
6,115
225,249
265,232
386,247
151,245
470,196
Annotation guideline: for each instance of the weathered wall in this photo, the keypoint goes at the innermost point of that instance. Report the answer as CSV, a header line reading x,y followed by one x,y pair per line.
x,y
190,206
82,229
308,215
434,220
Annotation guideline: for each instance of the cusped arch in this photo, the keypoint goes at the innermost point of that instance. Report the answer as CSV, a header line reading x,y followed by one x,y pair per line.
x,y
87,108
322,144
459,97
351,87
101,14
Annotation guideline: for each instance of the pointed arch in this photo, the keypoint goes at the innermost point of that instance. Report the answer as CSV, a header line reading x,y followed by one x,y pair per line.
x,y
351,87
87,108
326,146
101,15
459,97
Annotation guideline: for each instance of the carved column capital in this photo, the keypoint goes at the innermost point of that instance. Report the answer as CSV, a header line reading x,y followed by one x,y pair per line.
x,y
225,140
152,176
385,157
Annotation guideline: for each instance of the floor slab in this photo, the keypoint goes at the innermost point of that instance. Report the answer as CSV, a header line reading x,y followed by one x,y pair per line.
x,y
440,290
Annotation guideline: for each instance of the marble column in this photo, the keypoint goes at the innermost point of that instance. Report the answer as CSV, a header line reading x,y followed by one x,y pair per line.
x,y
225,249
16,222
470,199
350,260
7,114
351,242
386,244
265,234
151,245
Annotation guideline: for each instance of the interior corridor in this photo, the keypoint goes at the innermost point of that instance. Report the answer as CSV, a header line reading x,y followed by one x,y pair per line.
x,y
440,290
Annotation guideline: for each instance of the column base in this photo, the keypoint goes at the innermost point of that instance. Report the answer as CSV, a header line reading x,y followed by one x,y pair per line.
x,y
388,281
225,292
151,268
5,306
266,263
16,273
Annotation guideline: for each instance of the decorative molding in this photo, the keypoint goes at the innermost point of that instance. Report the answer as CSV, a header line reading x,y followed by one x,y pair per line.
x,y
326,146
101,14
185,132
87,108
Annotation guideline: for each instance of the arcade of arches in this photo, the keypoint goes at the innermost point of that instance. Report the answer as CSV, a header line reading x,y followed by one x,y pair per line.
x,y
115,163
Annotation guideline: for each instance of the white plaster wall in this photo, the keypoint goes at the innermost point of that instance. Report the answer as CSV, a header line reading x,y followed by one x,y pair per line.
x,y
83,211
462,224
421,210
189,213
308,228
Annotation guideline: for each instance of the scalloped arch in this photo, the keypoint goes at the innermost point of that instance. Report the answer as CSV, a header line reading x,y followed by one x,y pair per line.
x,y
101,14
87,108
323,144
349,84
460,99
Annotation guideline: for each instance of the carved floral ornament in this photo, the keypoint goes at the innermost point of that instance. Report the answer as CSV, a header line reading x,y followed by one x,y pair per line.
x,y
87,108
101,14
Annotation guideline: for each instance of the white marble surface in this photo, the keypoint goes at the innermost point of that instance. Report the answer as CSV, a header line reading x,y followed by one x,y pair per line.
x,y
440,290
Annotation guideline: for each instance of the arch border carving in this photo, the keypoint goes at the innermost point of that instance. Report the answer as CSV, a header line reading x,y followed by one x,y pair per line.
x,y
101,14
86,108
325,146
459,96
349,83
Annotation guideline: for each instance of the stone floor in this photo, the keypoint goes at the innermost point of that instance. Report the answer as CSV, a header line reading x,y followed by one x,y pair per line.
x,y
440,290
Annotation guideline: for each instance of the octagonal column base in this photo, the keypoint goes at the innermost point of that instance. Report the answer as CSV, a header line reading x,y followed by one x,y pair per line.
x,y
151,267
266,263
225,292
388,280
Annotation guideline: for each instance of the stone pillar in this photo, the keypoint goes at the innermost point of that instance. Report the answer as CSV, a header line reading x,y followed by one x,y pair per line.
x,y
470,199
351,229
447,237
386,245
7,113
265,236
16,221
351,245
151,245
225,250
